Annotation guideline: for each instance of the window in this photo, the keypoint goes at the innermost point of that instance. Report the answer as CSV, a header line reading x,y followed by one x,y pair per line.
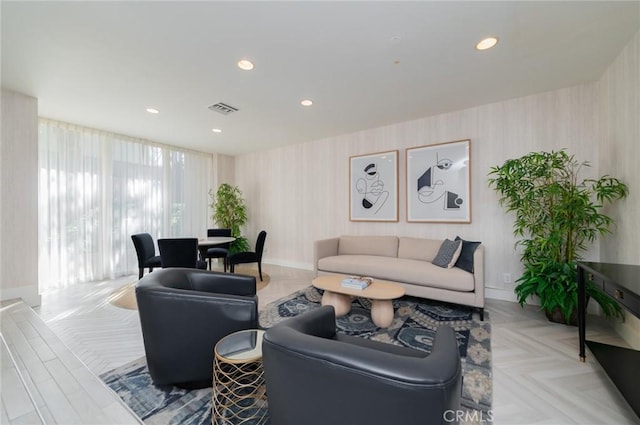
x,y
98,188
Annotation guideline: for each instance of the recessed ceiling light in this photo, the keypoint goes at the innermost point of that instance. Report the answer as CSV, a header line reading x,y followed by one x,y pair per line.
x,y
487,43
306,102
153,111
245,64
216,130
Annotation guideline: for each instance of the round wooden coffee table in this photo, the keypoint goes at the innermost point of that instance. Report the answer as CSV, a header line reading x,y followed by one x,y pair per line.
x,y
380,292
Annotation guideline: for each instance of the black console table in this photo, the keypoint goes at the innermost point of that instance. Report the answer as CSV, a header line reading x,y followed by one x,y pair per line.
x,y
622,283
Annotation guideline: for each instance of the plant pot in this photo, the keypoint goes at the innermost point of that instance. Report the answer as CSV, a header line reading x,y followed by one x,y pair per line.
x,y
557,317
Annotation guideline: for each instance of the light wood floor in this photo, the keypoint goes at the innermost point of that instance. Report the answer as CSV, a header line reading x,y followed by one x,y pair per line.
x,y
537,376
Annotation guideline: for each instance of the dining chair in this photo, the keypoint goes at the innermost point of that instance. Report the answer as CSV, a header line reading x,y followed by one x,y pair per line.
x,y
219,251
146,251
180,252
249,256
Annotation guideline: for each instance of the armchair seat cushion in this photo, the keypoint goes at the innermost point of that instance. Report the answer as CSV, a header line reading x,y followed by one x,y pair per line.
x,y
243,257
153,262
217,252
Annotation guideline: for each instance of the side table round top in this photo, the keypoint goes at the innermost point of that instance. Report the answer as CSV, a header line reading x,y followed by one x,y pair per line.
x,y
240,347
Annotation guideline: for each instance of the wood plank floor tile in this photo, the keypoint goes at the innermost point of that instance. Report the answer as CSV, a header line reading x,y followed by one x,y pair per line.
x,y
42,381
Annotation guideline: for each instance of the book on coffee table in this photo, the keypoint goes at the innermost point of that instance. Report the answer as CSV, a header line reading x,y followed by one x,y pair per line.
x,y
356,282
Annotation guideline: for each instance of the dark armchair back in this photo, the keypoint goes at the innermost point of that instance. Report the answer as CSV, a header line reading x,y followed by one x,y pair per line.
x,y
351,380
184,313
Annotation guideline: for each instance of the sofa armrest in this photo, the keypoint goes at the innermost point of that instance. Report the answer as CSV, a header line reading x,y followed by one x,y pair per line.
x,y
324,248
478,274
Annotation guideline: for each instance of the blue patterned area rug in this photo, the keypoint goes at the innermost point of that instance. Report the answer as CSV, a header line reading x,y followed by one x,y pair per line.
x,y
415,323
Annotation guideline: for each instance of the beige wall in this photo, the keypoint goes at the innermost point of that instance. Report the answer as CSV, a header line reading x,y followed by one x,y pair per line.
x,y
19,198
299,193
223,172
620,154
225,169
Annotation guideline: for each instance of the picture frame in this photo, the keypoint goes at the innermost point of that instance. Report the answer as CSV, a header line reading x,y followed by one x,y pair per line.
x,y
438,182
373,187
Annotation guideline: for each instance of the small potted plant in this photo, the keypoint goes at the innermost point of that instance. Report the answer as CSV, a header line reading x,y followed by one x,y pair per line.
x,y
230,212
556,215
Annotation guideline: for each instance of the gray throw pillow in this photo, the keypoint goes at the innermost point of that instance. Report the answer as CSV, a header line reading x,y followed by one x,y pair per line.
x,y
448,254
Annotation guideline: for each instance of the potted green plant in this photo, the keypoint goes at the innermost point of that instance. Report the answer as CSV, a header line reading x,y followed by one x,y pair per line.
x,y
556,215
230,212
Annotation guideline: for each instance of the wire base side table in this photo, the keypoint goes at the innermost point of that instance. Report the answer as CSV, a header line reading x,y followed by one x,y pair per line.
x,y
239,392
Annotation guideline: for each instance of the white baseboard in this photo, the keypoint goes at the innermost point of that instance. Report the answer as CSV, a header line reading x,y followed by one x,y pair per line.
x,y
292,264
29,294
500,294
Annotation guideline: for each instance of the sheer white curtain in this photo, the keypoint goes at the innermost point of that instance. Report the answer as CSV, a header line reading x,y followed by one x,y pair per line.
x,y
98,188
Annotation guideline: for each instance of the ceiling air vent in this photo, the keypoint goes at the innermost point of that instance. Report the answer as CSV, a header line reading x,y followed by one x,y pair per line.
x,y
223,108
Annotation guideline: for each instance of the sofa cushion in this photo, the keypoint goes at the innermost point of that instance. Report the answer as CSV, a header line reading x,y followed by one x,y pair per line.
x,y
426,274
385,246
448,253
418,248
399,270
465,260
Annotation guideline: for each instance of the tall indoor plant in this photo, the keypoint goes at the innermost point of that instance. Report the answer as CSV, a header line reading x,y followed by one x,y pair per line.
x,y
230,212
556,215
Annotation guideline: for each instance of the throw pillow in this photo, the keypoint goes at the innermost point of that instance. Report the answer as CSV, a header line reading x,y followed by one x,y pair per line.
x,y
465,260
448,254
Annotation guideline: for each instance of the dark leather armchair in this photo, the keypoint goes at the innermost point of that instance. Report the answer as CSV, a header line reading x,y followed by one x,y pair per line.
x,y
220,251
180,252
317,377
249,256
184,313
146,251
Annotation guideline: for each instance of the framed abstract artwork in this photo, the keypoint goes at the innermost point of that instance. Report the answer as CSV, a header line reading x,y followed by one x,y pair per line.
x,y
439,183
373,187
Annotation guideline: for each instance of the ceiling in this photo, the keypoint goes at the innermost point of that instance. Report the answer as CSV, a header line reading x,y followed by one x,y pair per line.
x,y
364,64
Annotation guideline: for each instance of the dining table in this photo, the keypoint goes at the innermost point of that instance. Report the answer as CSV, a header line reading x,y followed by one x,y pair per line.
x,y
205,243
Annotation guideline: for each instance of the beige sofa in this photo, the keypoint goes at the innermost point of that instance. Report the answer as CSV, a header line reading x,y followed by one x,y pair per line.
x,y
406,261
